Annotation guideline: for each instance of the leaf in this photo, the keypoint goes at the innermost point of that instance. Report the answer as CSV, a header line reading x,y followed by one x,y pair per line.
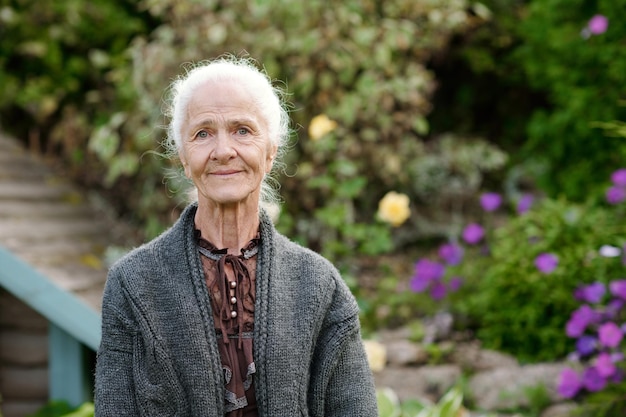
x,y
125,164
388,403
85,410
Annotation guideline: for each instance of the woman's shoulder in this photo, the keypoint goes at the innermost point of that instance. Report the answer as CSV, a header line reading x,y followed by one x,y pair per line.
x,y
294,252
167,248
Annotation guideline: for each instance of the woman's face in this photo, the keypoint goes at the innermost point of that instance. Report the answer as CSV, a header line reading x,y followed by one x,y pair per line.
x,y
226,150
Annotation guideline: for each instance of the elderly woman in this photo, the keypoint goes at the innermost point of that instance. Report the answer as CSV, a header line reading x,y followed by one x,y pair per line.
x,y
221,315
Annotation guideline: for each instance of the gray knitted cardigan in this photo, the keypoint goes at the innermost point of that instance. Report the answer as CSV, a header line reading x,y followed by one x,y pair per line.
x,y
159,355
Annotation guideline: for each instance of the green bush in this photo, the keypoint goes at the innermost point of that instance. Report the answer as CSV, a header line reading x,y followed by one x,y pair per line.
x,y
583,76
520,310
534,82
95,99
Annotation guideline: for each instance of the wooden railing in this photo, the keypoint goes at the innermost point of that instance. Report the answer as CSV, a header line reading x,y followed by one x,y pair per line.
x,y
73,327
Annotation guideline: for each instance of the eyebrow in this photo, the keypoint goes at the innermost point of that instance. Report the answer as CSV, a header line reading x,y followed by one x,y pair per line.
x,y
246,121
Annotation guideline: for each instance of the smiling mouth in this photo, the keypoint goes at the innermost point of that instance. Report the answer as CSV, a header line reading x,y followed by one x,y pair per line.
x,y
225,173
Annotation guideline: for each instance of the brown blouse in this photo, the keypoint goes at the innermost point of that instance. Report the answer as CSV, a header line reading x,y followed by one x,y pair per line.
x,y
231,283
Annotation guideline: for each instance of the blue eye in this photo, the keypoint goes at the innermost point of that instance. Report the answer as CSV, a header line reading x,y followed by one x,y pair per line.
x,y
242,131
202,134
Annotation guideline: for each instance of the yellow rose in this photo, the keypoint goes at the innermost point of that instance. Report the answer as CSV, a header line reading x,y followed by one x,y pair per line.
x,y
394,208
321,125
376,355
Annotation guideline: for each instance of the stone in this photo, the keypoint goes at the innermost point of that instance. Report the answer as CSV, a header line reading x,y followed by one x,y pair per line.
x,y
422,382
403,352
471,357
560,410
508,387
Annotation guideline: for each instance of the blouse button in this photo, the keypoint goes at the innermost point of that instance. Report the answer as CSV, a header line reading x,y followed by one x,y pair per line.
x,y
233,284
233,300
233,314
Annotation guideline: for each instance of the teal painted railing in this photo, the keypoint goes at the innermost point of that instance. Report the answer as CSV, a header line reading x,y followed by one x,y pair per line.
x,y
60,307
72,325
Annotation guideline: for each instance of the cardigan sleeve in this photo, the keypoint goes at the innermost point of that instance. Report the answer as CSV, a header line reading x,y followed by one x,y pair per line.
x,y
342,382
350,390
114,389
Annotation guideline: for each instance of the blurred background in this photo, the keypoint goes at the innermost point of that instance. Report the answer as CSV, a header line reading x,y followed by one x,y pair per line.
x,y
453,158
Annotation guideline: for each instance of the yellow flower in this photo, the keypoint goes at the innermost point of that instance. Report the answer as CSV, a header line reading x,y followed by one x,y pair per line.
x,y
321,125
376,355
394,208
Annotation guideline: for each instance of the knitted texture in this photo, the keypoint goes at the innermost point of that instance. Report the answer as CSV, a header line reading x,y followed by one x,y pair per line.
x,y
159,355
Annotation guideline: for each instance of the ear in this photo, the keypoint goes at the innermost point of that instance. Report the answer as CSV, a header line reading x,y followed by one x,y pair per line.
x,y
271,155
183,160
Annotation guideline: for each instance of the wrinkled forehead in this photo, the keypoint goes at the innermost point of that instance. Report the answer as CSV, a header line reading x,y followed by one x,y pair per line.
x,y
224,95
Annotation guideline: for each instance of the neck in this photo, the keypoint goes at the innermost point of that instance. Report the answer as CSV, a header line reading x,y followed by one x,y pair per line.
x,y
229,227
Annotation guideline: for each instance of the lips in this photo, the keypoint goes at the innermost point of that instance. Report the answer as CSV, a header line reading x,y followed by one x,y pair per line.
x,y
225,172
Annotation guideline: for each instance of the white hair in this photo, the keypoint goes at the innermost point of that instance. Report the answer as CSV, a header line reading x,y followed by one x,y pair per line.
x,y
267,98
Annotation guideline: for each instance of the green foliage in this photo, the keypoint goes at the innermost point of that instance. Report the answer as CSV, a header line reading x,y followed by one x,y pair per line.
x,y
538,398
364,65
450,405
63,409
514,306
65,73
606,403
583,79
533,82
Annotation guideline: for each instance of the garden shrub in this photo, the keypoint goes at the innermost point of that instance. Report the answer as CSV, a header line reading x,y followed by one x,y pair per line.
x,y
363,65
596,379
581,69
535,80
521,306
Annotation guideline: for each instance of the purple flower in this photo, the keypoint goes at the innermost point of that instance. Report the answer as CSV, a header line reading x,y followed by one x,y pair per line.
x,y
569,383
619,177
524,203
610,335
592,380
579,320
490,201
546,262
604,365
613,308
426,271
591,293
473,233
618,288
437,290
615,195
618,376
586,345
419,284
455,283
598,24
451,253
429,269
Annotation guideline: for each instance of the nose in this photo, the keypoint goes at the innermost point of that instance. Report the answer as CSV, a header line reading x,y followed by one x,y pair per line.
x,y
223,147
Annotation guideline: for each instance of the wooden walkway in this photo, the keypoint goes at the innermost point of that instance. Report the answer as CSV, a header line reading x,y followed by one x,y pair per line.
x,y
53,226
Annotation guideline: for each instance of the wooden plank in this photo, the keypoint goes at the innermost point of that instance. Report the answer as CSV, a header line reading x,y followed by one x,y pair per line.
x,y
20,229
16,315
37,191
24,383
49,210
24,348
20,408
58,306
